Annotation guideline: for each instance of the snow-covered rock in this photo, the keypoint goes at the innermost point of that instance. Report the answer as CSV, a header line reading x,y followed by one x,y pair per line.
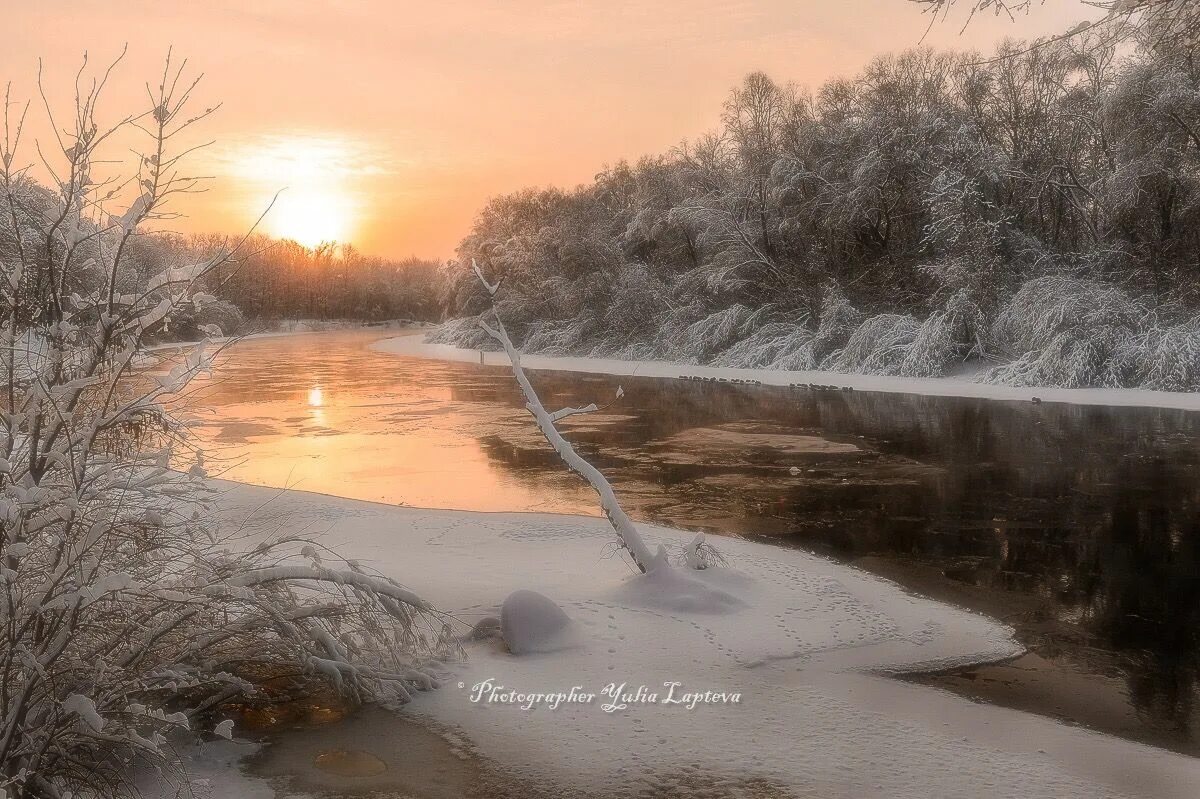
x,y
484,629
531,622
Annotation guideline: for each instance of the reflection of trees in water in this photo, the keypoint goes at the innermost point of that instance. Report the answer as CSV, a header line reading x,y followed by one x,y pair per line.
x,y
1147,600
1095,510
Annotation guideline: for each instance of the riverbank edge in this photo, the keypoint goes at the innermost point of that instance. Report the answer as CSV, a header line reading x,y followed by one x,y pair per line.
x,y
417,347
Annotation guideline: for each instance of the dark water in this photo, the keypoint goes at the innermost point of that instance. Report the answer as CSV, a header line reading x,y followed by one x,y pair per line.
x,y
1078,525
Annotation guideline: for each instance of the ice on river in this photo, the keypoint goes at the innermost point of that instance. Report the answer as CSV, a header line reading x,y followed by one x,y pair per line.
x,y
804,647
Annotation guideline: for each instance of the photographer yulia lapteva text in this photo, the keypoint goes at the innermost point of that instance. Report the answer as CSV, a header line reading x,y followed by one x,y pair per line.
x,y
612,698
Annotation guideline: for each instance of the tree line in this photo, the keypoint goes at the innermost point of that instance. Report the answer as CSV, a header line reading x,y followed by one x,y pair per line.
x,y
282,280
1029,215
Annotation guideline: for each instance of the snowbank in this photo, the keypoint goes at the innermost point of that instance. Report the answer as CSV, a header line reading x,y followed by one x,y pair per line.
x,y
416,346
802,652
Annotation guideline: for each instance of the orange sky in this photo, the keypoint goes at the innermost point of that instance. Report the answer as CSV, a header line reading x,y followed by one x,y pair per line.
x,y
392,122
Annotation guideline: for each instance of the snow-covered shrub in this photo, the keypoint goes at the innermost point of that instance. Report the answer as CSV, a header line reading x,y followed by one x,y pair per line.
x,y
715,332
839,320
636,351
945,338
1065,331
1047,306
767,345
1068,361
698,554
220,315
877,347
1162,359
463,332
637,302
796,352
126,612
205,317
670,342
556,338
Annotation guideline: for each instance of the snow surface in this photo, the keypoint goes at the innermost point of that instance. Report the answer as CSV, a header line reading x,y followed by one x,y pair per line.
x,y
416,346
804,648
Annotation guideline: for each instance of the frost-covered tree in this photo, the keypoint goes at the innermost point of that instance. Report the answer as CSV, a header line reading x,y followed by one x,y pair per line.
x,y
1165,20
883,223
127,615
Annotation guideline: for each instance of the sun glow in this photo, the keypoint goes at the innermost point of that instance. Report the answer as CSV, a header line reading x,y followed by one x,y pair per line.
x,y
310,183
310,216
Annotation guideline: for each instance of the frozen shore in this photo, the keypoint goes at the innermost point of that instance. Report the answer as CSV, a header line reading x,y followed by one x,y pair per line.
x,y
805,650
416,346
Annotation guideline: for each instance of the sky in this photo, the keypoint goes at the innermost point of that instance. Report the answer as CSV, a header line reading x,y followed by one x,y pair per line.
x,y
388,124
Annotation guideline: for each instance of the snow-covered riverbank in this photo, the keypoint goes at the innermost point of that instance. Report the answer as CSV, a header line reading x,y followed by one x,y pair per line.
x,y
416,346
803,650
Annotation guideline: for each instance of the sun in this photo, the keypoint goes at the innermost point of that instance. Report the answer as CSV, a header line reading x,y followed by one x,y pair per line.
x,y
309,182
311,216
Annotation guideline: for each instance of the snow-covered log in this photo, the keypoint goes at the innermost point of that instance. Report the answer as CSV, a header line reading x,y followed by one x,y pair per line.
x,y
627,534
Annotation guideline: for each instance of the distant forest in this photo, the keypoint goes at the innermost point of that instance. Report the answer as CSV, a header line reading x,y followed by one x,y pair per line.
x,y
1028,216
275,282
283,280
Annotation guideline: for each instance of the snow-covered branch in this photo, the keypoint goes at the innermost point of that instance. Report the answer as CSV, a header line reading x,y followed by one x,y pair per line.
x,y
627,534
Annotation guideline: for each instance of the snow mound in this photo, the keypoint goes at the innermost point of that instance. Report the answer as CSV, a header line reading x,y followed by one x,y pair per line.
x,y
677,591
531,622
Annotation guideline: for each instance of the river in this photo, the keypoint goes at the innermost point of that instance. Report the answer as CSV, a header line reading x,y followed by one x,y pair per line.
x,y
1078,525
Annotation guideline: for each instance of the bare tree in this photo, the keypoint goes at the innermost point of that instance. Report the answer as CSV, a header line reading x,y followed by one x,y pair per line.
x,y
1164,20
126,614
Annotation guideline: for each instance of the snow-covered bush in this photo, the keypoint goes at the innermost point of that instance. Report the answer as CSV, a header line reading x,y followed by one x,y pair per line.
x,y
464,333
765,347
637,301
1047,306
839,320
555,338
669,340
1067,361
1064,331
1163,359
127,614
877,347
205,316
946,338
715,332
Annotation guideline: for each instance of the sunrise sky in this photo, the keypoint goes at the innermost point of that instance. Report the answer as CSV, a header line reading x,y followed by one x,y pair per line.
x,y
390,123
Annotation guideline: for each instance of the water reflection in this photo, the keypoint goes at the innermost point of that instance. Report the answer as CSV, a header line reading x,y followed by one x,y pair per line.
x,y
1078,525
